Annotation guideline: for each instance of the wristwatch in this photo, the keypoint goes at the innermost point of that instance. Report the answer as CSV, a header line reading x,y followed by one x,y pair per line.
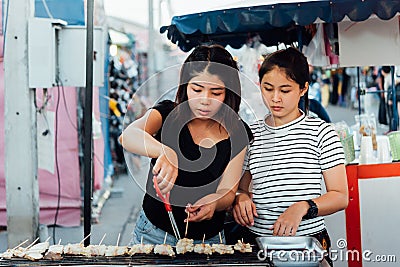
x,y
312,210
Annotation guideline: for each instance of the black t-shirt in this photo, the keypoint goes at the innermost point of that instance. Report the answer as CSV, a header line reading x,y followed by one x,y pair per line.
x,y
199,173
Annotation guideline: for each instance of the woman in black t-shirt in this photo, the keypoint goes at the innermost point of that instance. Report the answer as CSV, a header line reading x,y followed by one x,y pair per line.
x,y
197,145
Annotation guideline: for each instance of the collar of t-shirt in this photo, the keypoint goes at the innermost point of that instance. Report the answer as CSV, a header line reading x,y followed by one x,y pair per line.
x,y
286,126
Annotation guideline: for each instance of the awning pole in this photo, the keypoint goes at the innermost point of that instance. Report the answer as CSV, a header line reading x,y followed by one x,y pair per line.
x,y
300,37
395,122
87,124
359,90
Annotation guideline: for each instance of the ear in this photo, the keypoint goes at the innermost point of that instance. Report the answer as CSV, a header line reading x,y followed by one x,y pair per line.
x,y
305,89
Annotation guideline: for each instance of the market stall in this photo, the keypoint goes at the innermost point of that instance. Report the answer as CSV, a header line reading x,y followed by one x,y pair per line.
x,y
286,22
372,193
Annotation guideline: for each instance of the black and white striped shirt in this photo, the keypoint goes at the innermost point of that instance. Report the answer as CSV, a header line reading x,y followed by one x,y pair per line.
x,y
286,164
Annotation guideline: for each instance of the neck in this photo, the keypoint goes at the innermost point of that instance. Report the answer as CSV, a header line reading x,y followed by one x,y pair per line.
x,y
207,123
275,121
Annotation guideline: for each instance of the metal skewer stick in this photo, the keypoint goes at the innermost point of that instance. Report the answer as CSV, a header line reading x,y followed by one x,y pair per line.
x,y
204,237
141,240
59,241
47,240
220,237
174,226
85,238
101,241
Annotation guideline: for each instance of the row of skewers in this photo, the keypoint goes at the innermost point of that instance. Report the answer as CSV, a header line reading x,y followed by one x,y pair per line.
x,y
43,250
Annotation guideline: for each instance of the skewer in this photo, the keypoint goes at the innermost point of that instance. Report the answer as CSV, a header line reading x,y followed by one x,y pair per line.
x,y
203,248
165,238
85,238
101,241
119,235
141,240
220,237
32,243
187,223
47,240
20,244
59,241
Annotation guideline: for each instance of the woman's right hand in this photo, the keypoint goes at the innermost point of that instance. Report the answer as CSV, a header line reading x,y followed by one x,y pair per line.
x,y
244,210
166,169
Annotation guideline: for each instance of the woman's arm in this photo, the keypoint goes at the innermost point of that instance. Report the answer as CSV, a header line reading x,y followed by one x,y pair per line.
x,y
244,208
138,138
244,184
335,199
204,208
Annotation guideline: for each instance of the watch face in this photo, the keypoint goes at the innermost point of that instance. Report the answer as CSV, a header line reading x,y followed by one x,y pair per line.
x,y
313,210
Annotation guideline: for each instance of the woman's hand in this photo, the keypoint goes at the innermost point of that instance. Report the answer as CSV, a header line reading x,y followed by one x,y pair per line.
x,y
289,221
244,210
166,169
203,209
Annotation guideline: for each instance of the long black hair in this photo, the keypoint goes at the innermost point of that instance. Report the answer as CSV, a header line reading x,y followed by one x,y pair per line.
x,y
293,63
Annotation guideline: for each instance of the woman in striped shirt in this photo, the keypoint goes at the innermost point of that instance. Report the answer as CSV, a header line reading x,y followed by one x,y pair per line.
x,y
280,192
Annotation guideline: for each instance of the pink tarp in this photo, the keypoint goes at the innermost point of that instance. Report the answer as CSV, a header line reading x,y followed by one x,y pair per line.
x,y
98,145
66,164
66,168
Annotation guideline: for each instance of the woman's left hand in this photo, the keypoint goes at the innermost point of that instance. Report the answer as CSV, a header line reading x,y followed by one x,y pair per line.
x,y
203,209
289,221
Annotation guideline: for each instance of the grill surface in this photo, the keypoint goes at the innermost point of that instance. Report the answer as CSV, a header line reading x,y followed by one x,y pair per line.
x,y
194,259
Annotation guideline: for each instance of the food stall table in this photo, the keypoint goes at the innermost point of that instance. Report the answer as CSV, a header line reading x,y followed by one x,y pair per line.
x,y
372,194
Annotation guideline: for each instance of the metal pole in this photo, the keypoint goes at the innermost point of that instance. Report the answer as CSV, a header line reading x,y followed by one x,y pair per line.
x,y
151,84
395,118
87,124
159,11
300,37
359,90
22,189
151,52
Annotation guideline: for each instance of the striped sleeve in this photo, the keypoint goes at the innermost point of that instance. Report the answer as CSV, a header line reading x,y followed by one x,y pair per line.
x,y
331,150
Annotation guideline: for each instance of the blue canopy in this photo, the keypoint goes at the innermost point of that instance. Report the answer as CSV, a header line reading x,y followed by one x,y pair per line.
x,y
274,23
